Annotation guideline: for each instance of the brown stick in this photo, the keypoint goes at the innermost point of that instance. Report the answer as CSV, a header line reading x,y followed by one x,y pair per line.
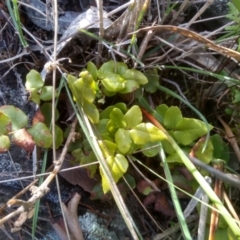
x,y
39,192
195,36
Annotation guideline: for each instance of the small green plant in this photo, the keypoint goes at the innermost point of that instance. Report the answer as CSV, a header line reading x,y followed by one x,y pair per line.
x,y
236,3
233,15
120,130
111,78
123,133
39,92
35,86
14,125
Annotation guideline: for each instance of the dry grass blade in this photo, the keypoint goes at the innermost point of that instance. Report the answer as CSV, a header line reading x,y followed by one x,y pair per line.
x,y
205,6
230,206
101,29
181,9
113,186
195,36
203,218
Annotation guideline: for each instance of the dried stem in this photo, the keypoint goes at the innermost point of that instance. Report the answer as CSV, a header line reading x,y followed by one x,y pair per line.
x,y
39,192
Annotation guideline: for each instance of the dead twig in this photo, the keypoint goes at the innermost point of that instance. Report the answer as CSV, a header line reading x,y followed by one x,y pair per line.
x,y
230,206
13,199
70,212
26,207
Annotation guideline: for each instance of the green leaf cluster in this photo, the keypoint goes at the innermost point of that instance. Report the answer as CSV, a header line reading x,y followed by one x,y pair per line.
x,y
83,158
46,110
112,77
236,3
13,123
116,77
185,131
234,10
122,133
84,91
35,86
122,130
